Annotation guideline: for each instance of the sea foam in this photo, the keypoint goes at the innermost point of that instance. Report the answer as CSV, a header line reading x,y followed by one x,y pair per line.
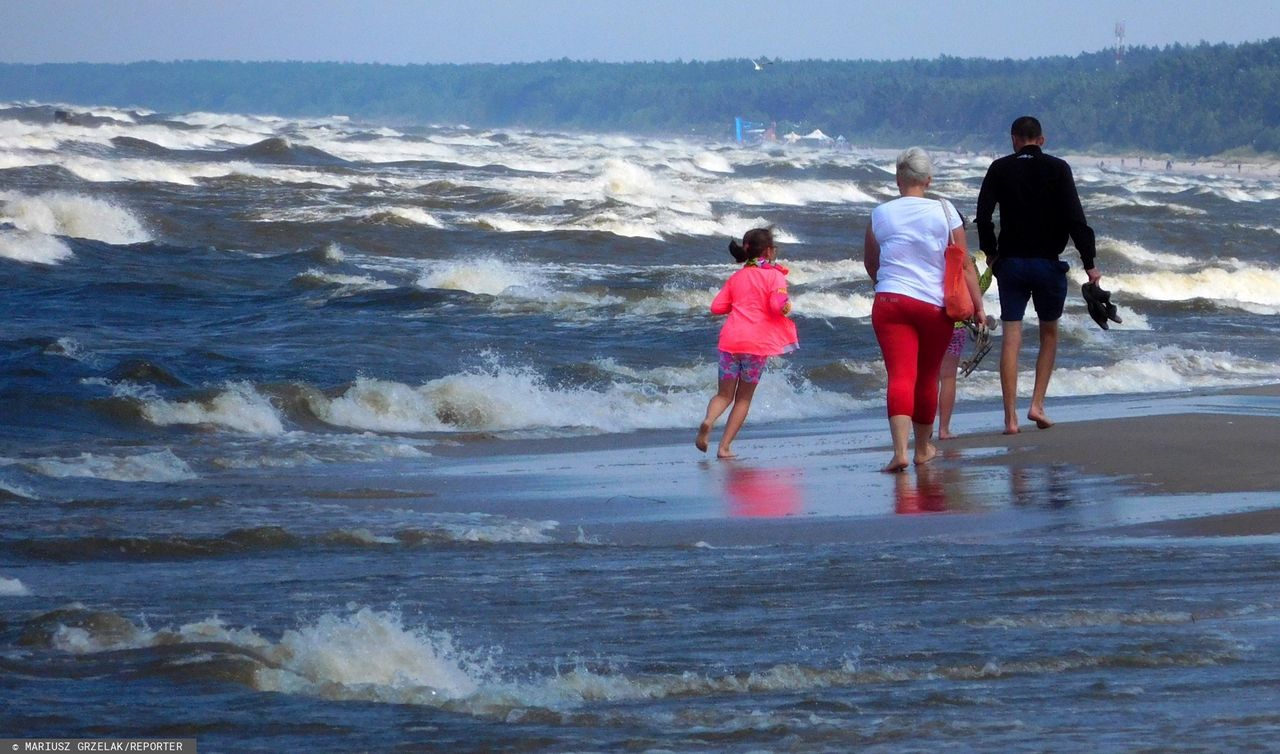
x,y
486,275
239,407
1138,253
13,588
502,398
1247,286
61,214
1148,370
160,466
33,248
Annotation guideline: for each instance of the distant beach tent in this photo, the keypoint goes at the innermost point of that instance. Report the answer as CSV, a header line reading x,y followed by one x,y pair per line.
x,y
814,137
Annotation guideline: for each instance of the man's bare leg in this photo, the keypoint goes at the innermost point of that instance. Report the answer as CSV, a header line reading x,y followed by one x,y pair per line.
x,y
1044,370
1010,345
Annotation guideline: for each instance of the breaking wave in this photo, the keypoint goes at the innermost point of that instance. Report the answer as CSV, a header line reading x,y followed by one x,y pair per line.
x,y
239,407
35,248
13,588
160,466
370,655
60,214
500,398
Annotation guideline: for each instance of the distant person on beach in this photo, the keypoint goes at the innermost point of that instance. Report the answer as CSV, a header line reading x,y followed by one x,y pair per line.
x,y
1039,209
903,252
755,298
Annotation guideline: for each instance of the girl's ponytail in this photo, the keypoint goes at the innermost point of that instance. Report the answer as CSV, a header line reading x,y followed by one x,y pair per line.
x,y
739,253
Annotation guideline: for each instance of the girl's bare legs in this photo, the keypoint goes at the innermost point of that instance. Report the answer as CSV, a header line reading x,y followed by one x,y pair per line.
x,y
719,402
947,395
738,416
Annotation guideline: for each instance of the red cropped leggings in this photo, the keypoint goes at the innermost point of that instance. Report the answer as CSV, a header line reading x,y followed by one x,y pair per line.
x,y
913,336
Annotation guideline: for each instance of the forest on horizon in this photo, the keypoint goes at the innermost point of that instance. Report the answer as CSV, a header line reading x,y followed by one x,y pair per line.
x,y
1183,100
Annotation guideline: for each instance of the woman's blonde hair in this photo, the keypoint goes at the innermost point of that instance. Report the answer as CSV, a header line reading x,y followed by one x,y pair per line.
x,y
914,167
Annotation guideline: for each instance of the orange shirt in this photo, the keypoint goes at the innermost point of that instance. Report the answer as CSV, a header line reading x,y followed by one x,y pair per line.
x,y
754,297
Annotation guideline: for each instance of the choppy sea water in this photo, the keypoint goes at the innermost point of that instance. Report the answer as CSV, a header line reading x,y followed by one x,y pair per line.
x,y
241,356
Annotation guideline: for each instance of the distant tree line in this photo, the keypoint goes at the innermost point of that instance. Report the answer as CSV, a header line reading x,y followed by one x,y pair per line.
x,y
1183,100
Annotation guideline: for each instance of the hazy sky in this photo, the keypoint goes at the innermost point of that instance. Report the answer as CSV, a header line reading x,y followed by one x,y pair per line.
x,y
470,31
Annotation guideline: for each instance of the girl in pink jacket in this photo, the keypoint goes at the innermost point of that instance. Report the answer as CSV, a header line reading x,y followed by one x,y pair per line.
x,y
755,298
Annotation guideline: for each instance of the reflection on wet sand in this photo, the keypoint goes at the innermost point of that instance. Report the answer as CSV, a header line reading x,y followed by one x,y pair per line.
x,y
762,493
949,485
1050,486
921,492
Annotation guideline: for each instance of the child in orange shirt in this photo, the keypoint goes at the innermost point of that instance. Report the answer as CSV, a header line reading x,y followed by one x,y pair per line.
x,y
755,298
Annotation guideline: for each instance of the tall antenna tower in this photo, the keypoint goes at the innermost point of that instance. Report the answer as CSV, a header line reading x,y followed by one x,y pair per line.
x,y
1119,42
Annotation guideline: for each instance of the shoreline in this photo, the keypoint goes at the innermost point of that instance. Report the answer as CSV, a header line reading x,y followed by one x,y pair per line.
x,y
1110,466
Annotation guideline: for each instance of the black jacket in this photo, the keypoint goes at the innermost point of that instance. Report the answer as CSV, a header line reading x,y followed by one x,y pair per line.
x,y
1039,208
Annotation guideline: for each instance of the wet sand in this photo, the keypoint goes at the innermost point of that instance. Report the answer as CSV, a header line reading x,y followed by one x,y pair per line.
x,y
1180,453
1183,465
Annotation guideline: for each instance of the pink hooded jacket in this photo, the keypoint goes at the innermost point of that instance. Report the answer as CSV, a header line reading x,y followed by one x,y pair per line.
x,y
754,297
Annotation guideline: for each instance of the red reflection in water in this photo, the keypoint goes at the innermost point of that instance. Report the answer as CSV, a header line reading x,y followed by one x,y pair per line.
x,y
922,492
762,493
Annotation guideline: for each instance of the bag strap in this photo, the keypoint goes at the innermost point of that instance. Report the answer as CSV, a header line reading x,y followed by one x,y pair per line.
x,y
946,213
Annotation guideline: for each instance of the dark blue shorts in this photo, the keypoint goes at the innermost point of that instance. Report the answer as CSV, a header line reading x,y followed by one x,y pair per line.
x,y
1043,281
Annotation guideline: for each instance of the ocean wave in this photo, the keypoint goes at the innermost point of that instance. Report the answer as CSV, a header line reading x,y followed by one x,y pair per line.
x,y
623,181
517,286
369,655
33,248
239,407
387,150
96,170
11,491
712,162
1097,202
1242,194
500,398
13,588
657,225
1153,369
60,214
489,276
345,283
281,151
636,185
402,216
431,530
253,124
150,170
797,193
521,286
826,305
1135,252
1249,287
1090,618
159,466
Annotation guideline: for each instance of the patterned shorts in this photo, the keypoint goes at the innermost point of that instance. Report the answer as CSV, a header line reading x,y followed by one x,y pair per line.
x,y
958,338
741,366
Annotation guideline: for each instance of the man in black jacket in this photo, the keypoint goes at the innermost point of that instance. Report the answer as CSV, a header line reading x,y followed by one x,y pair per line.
x,y
1039,210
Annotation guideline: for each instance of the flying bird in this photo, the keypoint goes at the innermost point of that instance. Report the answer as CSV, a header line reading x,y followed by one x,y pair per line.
x,y
761,63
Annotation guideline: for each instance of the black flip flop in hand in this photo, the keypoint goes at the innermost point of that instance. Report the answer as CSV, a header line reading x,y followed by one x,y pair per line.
x,y
1100,306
